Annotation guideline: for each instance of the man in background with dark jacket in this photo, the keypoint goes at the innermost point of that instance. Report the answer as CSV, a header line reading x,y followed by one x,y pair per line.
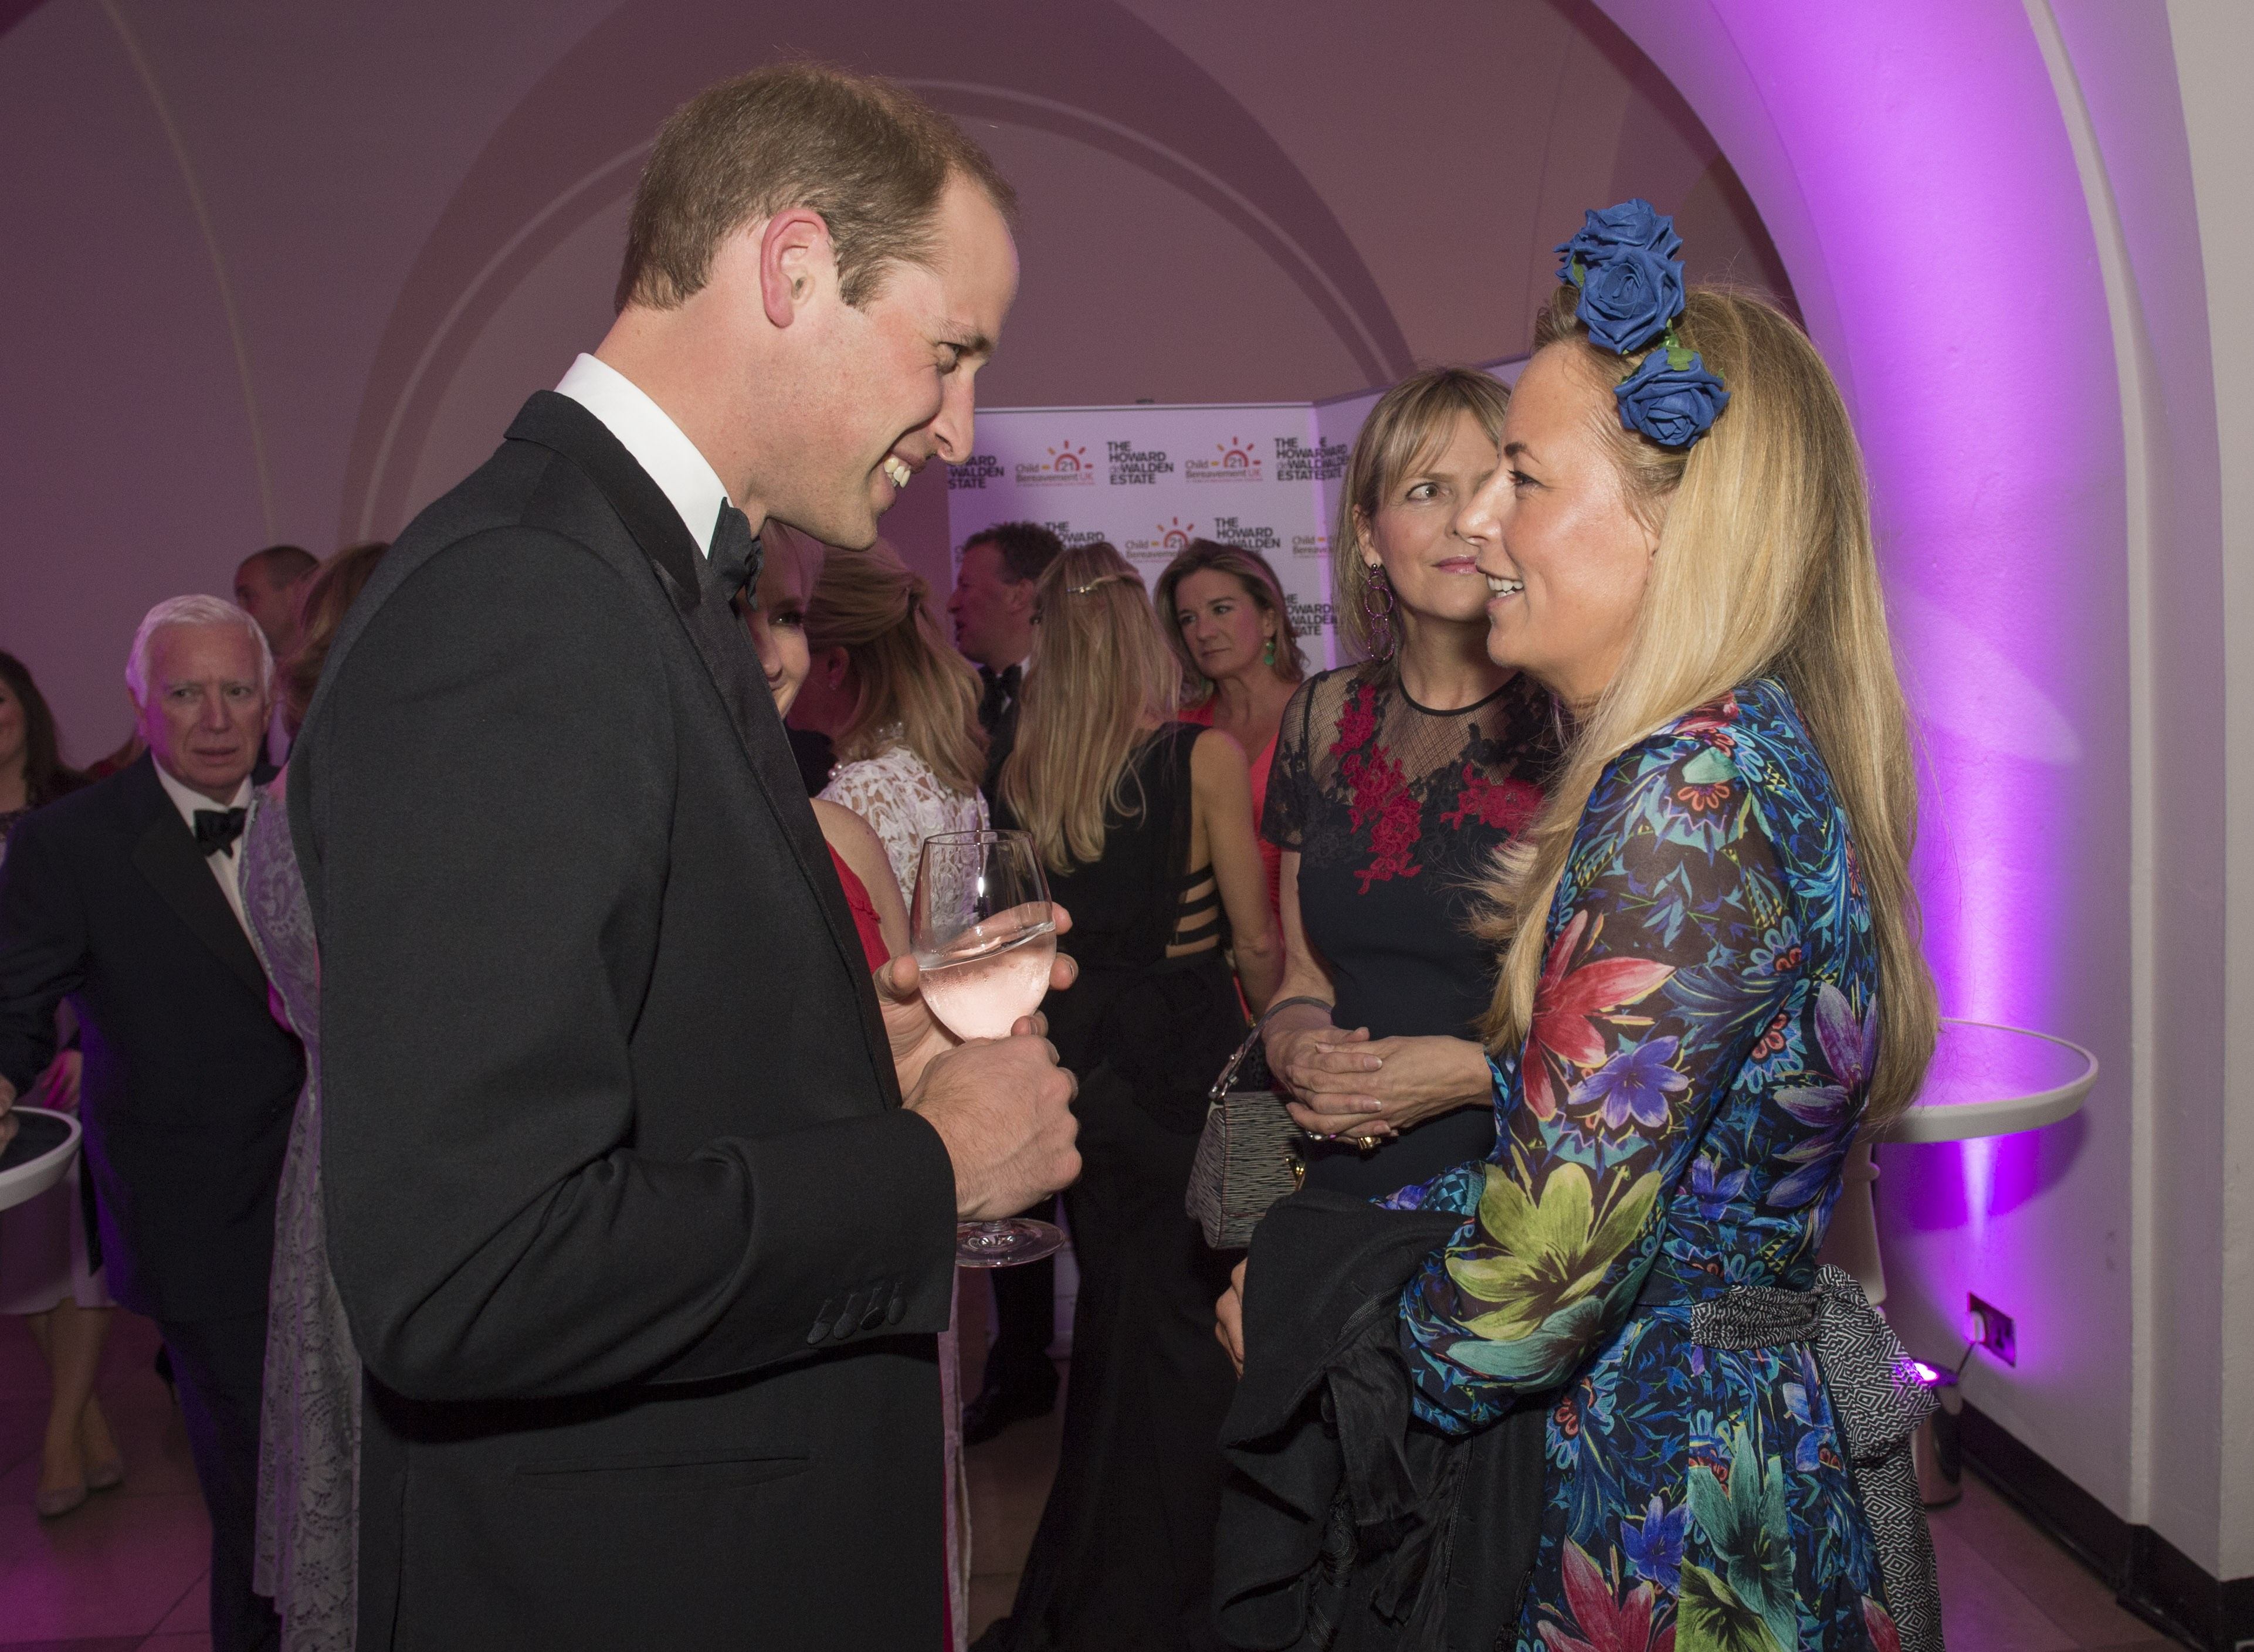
x,y
122,898
993,608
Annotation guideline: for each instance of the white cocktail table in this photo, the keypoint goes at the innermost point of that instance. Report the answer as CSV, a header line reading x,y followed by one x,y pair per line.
x,y
35,1161
1984,1081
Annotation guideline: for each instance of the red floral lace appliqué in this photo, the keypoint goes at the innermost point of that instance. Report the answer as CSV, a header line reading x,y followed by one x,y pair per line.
x,y
1381,793
1505,805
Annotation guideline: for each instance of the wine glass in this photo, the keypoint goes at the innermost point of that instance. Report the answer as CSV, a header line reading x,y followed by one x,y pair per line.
x,y
984,938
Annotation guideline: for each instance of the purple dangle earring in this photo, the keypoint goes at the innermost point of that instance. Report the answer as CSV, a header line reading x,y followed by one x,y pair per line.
x,y
1380,617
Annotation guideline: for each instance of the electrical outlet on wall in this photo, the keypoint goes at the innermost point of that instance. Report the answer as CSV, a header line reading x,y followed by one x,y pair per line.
x,y
1992,1329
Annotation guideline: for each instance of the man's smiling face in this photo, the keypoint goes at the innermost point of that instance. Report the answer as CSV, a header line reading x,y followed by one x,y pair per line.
x,y
896,388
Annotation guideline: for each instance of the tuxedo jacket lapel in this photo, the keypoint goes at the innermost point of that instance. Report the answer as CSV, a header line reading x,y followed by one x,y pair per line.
x,y
563,426
165,853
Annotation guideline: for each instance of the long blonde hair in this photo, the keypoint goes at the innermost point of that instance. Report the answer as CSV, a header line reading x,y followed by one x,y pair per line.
x,y
872,604
1764,567
1101,674
1410,426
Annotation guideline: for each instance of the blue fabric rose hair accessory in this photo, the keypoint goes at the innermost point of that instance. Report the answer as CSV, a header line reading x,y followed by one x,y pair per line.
x,y
1631,291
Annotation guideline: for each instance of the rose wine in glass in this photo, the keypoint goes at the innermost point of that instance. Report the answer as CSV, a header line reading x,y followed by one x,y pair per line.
x,y
984,939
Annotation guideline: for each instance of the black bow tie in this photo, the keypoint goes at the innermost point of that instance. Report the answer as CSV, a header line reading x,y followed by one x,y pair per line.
x,y
1001,688
735,551
217,828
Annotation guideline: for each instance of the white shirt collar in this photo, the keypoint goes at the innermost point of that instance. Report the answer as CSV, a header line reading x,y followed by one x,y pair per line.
x,y
646,430
187,799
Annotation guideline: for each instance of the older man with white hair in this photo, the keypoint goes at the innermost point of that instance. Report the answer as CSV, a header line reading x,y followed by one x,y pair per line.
x,y
122,897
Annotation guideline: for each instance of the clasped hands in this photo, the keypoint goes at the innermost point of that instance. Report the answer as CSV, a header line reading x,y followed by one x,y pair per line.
x,y
1348,1084
1003,1107
1352,1085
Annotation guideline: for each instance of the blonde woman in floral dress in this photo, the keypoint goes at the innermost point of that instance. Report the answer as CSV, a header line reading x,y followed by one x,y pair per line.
x,y
1710,983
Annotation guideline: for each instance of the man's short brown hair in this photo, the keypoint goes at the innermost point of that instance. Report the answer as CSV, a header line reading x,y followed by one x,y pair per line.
x,y
868,157
1027,549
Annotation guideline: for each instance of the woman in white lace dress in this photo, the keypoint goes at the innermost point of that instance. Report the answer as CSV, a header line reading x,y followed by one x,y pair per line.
x,y
899,706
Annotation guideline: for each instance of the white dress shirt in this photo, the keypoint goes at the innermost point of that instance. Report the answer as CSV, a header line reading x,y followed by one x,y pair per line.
x,y
225,862
644,429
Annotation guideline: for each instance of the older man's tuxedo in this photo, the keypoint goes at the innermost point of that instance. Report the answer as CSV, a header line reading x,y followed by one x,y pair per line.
x,y
642,1252
187,1096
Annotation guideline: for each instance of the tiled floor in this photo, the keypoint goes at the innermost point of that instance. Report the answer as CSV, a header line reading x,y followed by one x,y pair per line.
x,y
127,1570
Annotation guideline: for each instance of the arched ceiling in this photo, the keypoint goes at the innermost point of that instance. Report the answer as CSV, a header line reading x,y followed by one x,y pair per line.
x,y
302,262
1176,248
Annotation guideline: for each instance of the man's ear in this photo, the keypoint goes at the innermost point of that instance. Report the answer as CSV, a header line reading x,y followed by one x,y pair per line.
x,y
1019,595
796,256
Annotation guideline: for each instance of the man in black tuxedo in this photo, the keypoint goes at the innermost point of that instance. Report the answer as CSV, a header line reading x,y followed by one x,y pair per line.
x,y
993,608
643,1252
123,897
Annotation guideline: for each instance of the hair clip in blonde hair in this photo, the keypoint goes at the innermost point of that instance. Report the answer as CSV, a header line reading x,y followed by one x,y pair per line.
x,y
1100,579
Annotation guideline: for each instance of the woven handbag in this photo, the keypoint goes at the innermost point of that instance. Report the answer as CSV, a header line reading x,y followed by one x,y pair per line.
x,y
1249,1154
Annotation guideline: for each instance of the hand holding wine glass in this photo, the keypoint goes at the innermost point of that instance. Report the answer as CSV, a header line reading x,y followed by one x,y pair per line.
x,y
916,1034
984,937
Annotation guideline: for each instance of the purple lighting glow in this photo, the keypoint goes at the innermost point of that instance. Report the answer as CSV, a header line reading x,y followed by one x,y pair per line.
x,y
1913,166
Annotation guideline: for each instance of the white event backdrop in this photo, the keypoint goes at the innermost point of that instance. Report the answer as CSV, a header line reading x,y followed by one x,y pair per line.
x,y
1265,475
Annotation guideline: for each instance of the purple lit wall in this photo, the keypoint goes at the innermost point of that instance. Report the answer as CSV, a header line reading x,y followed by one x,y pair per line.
x,y
2039,511
1915,172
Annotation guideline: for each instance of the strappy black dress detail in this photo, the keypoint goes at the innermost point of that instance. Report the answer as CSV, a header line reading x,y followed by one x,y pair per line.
x,y
1123,1556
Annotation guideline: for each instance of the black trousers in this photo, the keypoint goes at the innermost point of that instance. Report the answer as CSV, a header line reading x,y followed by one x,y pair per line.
x,y
220,1367
1025,1322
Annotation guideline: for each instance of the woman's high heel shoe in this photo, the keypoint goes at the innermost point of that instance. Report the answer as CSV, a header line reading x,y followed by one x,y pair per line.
x,y
106,1476
51,1504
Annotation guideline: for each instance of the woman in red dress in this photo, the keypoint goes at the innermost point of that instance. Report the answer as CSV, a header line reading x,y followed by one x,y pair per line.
x,y
1223,610
778,627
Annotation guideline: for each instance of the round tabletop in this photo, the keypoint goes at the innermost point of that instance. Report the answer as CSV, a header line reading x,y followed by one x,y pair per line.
x,y
1992,1080
35,1159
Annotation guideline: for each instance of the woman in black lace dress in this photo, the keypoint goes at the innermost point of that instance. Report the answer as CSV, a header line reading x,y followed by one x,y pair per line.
x,y
1145,825
1395,780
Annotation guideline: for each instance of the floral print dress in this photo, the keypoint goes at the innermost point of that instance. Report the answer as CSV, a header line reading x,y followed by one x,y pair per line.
x,y
1674,1125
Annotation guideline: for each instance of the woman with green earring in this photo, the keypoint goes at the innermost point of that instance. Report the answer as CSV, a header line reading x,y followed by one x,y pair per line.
x,y
1223,610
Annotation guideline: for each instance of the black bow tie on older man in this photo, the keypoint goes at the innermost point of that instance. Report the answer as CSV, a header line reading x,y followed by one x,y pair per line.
x,y
1001,688
217,828
735,551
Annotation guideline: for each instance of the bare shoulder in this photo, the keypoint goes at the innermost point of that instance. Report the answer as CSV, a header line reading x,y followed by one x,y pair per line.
x,y
1217,753
1218,766
845,831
